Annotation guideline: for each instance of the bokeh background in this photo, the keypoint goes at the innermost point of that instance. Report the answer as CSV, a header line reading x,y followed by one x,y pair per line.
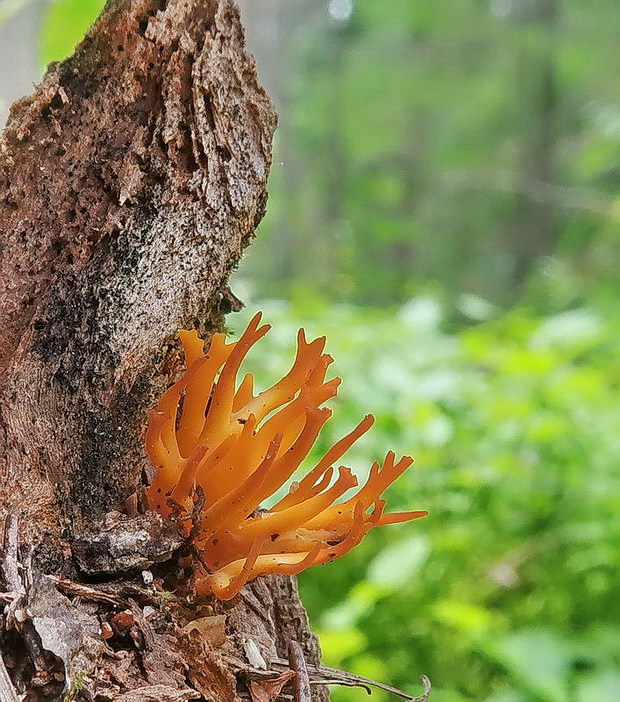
x,y
444,207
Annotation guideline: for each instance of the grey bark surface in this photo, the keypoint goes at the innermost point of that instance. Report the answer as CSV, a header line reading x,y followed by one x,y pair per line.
x,y
130,183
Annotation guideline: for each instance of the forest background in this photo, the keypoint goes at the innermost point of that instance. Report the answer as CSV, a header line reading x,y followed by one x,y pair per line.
x,y
444,206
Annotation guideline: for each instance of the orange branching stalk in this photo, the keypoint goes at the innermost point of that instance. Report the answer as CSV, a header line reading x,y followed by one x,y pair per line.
x,y
226,449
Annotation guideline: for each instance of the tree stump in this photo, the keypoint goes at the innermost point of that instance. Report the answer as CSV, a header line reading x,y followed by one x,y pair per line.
x,y
130,183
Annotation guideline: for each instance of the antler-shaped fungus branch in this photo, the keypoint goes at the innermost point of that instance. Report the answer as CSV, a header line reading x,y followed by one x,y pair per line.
x,y
236,449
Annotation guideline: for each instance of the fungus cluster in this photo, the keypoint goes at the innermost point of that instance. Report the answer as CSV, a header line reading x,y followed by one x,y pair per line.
x,y
220,451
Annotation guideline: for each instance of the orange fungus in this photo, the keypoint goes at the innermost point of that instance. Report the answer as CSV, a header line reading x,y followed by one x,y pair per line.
x,y
220,451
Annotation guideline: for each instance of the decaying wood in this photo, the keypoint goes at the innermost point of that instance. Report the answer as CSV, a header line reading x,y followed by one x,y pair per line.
x,y
7,689
130,183
158,693
129,640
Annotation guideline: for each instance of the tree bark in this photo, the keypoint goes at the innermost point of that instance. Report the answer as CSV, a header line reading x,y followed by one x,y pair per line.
x,y
130,183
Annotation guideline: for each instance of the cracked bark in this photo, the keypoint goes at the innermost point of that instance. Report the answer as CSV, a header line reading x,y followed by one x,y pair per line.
x,y
130,183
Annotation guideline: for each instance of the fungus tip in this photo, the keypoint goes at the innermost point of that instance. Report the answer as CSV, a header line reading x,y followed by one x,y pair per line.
x,y
219,451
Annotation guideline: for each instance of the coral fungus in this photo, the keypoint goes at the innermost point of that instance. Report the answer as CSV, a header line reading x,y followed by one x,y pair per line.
x,y
220,451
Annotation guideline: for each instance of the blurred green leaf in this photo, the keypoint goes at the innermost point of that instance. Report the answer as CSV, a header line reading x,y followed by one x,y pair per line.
x,y
508,588
338,645
603,686
471,620
400,564
66,22
539,658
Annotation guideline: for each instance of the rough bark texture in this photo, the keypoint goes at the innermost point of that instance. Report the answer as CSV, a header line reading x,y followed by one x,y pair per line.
x,y
130,183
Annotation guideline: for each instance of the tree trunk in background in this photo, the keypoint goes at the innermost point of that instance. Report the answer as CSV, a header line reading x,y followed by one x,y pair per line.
x,y
130,183
536,218
278,31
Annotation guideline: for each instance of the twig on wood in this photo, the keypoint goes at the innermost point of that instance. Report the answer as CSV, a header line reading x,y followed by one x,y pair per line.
x,y
322,675
342,683
26,565
131,591
18,577
10,561
10,570
301,681
127,591
366,686
89,593
427,689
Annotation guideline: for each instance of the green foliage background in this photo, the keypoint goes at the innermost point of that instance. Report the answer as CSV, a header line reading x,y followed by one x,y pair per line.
x,y
507,592
444,207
